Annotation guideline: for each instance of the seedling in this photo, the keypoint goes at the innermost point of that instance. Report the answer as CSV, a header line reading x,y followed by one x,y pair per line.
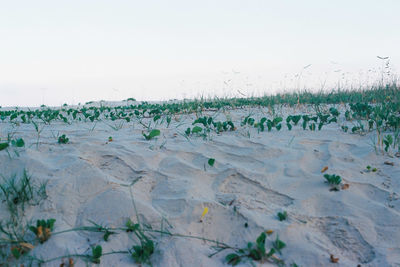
x,y
102,229
371,169
63,139
257,251
278,245
211,162
282,216
334,180
152,134
97,251
18,192
196,129
43,229
140,253
17,142
388,141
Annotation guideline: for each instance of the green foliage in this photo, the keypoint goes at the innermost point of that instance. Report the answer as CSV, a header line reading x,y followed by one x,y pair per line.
x,y
101,229
333,180
97,252
43,229
19,192
3,146
278,245
388,141
141,253
282,216
211,162
196,129
63,139
256,251
18,142
152,134
371,169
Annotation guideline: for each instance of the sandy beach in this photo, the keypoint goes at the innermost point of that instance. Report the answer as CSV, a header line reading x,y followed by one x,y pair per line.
x,y
166,183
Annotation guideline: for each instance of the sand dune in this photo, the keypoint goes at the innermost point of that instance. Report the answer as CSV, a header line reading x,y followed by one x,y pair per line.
x,y
255,176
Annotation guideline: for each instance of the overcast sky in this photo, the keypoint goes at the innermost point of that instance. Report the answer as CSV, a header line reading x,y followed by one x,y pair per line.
x,y
55,52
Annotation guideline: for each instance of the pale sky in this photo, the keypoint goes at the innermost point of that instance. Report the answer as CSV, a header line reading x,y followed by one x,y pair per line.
x,y
55,52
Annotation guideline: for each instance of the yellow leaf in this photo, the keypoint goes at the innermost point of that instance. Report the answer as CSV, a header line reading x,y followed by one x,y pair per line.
x,y
205,211
269,232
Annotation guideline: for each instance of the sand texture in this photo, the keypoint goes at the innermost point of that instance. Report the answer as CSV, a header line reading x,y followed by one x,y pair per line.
x,y
255,176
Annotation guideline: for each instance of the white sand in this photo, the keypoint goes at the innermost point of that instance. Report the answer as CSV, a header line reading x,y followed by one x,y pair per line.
x,y
259,175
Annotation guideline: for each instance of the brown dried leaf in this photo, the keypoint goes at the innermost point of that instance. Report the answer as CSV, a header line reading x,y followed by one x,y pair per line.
x,y
324,169
27,245
333,259
389,163
345,186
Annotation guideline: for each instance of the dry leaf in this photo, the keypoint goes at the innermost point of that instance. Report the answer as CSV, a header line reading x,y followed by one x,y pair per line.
x,y
71,262
389,163
269,232
40,233
333,259
345,186
27,245
324,169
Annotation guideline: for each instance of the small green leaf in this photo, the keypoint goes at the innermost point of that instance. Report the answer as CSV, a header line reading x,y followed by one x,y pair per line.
x,y
232,259
282,216
152,134
3,146
97,251
18,143
211,162
197,129
16,253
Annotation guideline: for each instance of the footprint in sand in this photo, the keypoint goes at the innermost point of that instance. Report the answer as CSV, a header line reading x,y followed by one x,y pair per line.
x,y
249,193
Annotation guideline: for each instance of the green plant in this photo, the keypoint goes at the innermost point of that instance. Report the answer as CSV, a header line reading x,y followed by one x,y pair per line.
x,y
334,180
211,162
140,253
18,192
63,139
282,216
102,229
97,252
18,142
257,251
3,146
43,229
388,141
152,134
